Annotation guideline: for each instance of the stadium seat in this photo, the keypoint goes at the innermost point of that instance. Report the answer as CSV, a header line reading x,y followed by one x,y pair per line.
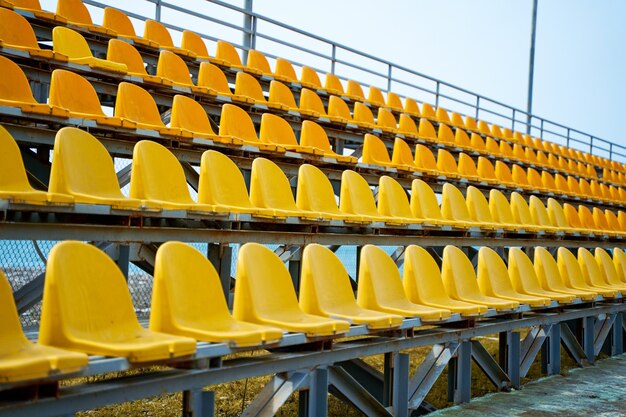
x,y
393,200
459,280
394,102
158,178
172,67
402,155
573,276
443,118
15,92
427,131
425,160
190,117
285,70
423,284
467,167
494,281
187,301
124,53
445,136
462,140
362,116
454,208
386,121
281,94
313,135
83,168
14,185
34,7
157,32
16,33
22,360
258,61
428,112
424,205
356,198
457,121
270,190
77,14
247,86
333,85
276,130
338,110
487,172
483,128
310,79
594,275
500,210
479,210
72,44
74,93
525,280
470,124
210,76
118,21
446,164
478,143
547,271
137,105
411,107
375,153
619,261
191,41
325,291
264,294
407,126
607,270
612,221
354,91
540,216
236,123
380,288
522,214
504,175
87,307
311,105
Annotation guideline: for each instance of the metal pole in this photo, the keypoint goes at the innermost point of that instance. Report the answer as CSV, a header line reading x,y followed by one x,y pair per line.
x,y
157,11
531,66
247,25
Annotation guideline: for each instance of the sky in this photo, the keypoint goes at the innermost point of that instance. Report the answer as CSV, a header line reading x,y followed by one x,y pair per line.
x,y
480,45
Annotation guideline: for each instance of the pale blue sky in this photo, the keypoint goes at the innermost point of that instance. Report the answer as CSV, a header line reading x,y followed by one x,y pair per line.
x,y
480,45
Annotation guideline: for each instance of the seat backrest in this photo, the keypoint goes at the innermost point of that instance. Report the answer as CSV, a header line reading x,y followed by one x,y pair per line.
x,y
315,136
619,261
315,192
586,217
402,154
457,120
82,165
505,148
539,212
492,146
362,113
470,123
74,11
136,104
157,32
337,107
557,214
269,186
411,107
458,274
478,206
375,96
446,162
275,129
221,182
561,183
520,209
503,172
280,93
285,69
534,178
73,92
356,196
483,127
172,67
257,60
461,138
442,115
542,158
585,187
14,85
392,199
426,129
157,175
453,205
247,85
421,278
310,76
125,53
117,20
500,208
374,151
236,122
12,172
394,101
354,89
211,76
519,152
444,133
379,278
227,52
466,166
522,272
406,124
477,142
15,30
309,100
491,273
485,168
11,333
590,269
386,119
424,204
332,82
606,266
612,220
546,268
191,41
188,114
599,218
519,175
69,42
428,111
424,158
569,268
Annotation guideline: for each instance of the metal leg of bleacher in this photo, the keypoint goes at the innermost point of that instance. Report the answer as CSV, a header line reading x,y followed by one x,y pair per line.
x,y
460,374
198,403
617,336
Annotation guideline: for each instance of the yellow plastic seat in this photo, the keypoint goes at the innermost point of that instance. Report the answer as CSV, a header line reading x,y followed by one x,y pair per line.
x,y
77,14
539,214
74,93
522,214
16,33
270,190
562,186
15,92
227,53
311,104
285,70
72,44
587,221
423,284
380,288
191,41
190,117
459,280
411,107
124,53
394,102
560,219
236,123
264,294
338,110
601,220
258,62
14,185
442,116
375,153
118,21
354,91
607,270
281,94
386,121
550,278
276,130
470,124
456,120
87,307
454,208
392,199
483,128
156,32
462,140
211,77
594,275
487,172
309,78
424,205
83,168
428,112
34,7
172,67
446,164
425,160
496,149
402,155
356,198
427,131
525,280
494,281
500,208
445,135
573,276
187,301
477,142
314,135
363,116
467,167
137,105
247,86
612,221
619,261
22,360
480,212
504,174
333,85
407,126
325,291
158,178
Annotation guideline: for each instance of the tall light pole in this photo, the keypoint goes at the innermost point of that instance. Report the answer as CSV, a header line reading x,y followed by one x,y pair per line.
x,y
531,67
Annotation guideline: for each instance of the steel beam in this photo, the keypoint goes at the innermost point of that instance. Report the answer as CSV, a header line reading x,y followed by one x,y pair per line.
x,y
463,373
318,393
351,390
490,367
589,338
198,403
400,397
29,294
275,394
603,331
530,348
617,335
572,346
429,371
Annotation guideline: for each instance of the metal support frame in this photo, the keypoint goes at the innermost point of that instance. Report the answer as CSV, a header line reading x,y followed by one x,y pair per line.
x,y
460,374
198,403
589,338
220,256
617,335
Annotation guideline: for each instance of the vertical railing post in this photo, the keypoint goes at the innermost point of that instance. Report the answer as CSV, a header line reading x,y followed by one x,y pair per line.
x,y
541,131
568,137
437,94
610,151
389,69
591,144
333,59
157,11
477,107
513,120
248,33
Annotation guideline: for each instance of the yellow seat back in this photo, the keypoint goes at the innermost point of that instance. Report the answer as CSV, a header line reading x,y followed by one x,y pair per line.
x,y
500,208
236,122
401,154
172,67
586,217
333,84
16,31
247,85
422,278
570,269
485,169
446,162
520,209
428,111
557,214
309,100
585,187
375,96
118,21
356,195
125,53
74,11
522,272
269,186
280,93
505,149
426,129
496,131
547,271
407,125
477,142
70,43
222,183
277,130
457,120
607,268
191,41
561,183
337,107
503,172
228,53
157,32
453,205
470,123
519,175
188,114
424,158
12,172
534,178
394,102
379,279
310,76
619,261
612,221
374,151
547,180
600,219
493,277
461,138
478,206
392,199
354,89
424,204
73,92
444,134
591,270
483,127
136,104
14,85
315,192
442,115
212,77
314,135
386,119
363,114
411,107
539,212
286,70
458,275
258,61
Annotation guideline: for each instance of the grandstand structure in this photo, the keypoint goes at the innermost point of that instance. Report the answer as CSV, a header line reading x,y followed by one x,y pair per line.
x,y
492,230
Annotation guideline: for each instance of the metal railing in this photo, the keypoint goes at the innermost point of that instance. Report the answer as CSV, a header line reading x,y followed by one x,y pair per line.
x,y
263,33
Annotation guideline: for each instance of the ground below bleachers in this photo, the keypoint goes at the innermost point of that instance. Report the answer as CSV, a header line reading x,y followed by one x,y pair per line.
x,y
598,390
